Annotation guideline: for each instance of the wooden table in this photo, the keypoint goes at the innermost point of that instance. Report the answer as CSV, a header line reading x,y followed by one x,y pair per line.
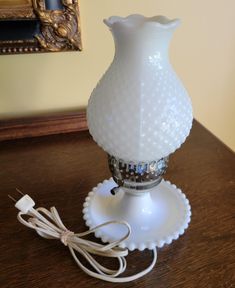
x,y
60,170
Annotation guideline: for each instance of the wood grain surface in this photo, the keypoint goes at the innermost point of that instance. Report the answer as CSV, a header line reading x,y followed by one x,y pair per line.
x,y
53,123
60,170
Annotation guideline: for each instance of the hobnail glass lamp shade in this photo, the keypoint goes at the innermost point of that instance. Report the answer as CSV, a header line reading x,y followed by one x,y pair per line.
x,y
139,110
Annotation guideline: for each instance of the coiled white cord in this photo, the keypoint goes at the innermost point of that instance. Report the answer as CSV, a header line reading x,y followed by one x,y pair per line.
x,y
55,229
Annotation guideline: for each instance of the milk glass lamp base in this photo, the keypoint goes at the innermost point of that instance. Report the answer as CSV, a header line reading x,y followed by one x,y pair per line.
x,y
157,217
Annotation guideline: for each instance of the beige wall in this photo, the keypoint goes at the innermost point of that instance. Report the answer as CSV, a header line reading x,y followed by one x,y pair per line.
x,y
202,52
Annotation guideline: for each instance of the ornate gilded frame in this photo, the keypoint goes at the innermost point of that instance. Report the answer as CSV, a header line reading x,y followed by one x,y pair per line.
x,y
42,26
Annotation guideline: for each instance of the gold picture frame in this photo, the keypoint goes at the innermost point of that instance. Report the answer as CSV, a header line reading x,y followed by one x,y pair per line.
x,y
29,26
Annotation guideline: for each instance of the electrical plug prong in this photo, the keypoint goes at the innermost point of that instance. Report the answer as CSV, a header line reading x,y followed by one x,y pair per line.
x,y
13,199
21,193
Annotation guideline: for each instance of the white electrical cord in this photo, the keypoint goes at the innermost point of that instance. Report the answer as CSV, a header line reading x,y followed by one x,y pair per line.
x,y
55,229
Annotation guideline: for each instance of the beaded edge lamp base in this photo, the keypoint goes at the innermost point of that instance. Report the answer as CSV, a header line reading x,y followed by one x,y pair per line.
x,y
157,216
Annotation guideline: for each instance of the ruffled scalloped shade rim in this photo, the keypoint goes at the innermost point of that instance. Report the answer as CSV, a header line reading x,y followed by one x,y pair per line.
x,y
138,20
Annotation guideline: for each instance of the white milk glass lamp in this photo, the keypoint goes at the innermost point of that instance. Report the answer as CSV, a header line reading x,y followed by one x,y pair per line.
x,y
139,113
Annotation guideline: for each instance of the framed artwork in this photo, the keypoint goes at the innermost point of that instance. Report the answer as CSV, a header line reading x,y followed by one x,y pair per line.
x,y
29,26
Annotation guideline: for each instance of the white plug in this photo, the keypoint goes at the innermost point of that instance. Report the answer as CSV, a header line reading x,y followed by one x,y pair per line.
x,y
25,204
